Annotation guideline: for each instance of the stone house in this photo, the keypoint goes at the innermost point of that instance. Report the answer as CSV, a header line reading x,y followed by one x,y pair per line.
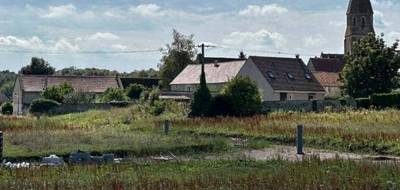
x,y
279,79
29,87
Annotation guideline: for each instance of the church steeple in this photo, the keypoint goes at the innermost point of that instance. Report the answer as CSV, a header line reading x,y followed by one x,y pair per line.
x,y
360,22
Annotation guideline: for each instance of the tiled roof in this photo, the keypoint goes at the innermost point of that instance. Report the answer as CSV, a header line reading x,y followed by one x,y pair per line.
x,y
327,79
147,82
215,73
97,84
326,65
281,68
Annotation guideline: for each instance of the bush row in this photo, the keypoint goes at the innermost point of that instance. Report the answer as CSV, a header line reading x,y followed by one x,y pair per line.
x,y
380,101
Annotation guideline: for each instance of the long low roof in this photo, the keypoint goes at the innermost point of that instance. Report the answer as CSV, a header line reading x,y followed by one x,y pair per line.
x,y
215,73
96,84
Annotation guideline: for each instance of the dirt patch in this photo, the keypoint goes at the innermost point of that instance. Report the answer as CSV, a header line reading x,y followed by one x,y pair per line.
x,y
289,153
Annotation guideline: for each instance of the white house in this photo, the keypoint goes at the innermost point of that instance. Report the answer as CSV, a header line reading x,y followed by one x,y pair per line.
x,y
279,79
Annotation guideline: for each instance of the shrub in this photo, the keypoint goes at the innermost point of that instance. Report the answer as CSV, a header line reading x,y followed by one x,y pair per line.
x,y
244,96
363,103
221,106
158,108
79,97
7,108
201,102
120,104
388,100
42,106
134,91
114,95
58,92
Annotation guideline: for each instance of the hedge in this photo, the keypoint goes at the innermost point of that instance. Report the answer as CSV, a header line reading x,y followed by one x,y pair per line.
x,y
389,100
7,109
42,106
363,103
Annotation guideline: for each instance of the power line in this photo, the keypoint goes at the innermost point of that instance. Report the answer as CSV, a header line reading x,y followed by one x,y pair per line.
x,y
82,52
265,51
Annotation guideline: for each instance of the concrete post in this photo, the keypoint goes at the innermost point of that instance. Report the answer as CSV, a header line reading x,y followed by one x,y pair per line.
x,y
299,139
167,126
1,146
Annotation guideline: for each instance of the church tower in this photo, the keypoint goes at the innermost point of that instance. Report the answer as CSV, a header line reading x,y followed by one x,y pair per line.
x,y
360,22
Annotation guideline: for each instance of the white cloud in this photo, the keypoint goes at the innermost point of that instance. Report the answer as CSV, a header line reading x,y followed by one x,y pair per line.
x,y
147,10
113,14
380,20
119,47
65,45
392,37
314,41
15,42
104,36
255,40
256,10
60,11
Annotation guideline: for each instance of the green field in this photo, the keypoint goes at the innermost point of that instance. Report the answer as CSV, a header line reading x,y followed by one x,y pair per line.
x,y
134,133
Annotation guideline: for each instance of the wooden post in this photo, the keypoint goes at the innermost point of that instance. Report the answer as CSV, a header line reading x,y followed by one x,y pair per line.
x,y
167,126
299,139
1,146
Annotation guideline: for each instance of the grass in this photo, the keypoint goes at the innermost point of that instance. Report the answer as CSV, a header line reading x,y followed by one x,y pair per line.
x,y
237,174
132,131
375,132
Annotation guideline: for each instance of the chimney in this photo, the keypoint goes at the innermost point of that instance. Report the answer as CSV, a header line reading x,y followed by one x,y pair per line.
x,y
297,56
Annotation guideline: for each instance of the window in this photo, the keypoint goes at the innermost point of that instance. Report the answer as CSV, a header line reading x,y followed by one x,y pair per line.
x,y
290,76
363,22
283,96
308,76
354,21
311,96
271,74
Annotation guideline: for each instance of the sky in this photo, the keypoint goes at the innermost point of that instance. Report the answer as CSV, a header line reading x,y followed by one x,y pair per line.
x,y
127,35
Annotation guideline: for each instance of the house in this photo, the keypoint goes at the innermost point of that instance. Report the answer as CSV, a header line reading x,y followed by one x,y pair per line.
x,y
326,69
330,82
29,87
279,79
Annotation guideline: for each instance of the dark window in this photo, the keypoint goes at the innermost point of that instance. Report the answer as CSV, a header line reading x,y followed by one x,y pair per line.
x,y
308,76
362,22
271,74
290,76
311,96
283,96
354,21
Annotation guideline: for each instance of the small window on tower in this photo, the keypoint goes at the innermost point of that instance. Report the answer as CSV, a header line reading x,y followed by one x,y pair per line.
x,y
363,22
354,21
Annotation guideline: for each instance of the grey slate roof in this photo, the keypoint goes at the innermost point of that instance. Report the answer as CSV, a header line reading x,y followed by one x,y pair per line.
x,y
280,67
326,65
215,74
96,84
360,7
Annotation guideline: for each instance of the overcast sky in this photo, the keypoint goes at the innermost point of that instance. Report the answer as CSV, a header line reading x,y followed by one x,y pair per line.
x,y
62,31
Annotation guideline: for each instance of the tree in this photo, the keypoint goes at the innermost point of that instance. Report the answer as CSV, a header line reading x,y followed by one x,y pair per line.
x,y
113,95
243,95
177,56
38,66
371,68
42,106
57,93
7,108
7,89
134,91
201,104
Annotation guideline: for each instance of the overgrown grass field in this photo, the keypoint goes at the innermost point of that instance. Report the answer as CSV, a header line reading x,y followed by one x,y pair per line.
x,y
309,174
133,131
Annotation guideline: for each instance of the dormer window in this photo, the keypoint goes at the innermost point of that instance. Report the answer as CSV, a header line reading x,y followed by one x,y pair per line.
x,y
308,76
271,75
290,76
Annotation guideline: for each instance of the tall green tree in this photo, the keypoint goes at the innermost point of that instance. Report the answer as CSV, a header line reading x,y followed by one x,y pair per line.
x,y
202,98
373,67
178,55
38,66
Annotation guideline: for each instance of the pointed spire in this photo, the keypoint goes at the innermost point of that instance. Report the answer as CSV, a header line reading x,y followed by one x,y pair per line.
x,y
360,7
